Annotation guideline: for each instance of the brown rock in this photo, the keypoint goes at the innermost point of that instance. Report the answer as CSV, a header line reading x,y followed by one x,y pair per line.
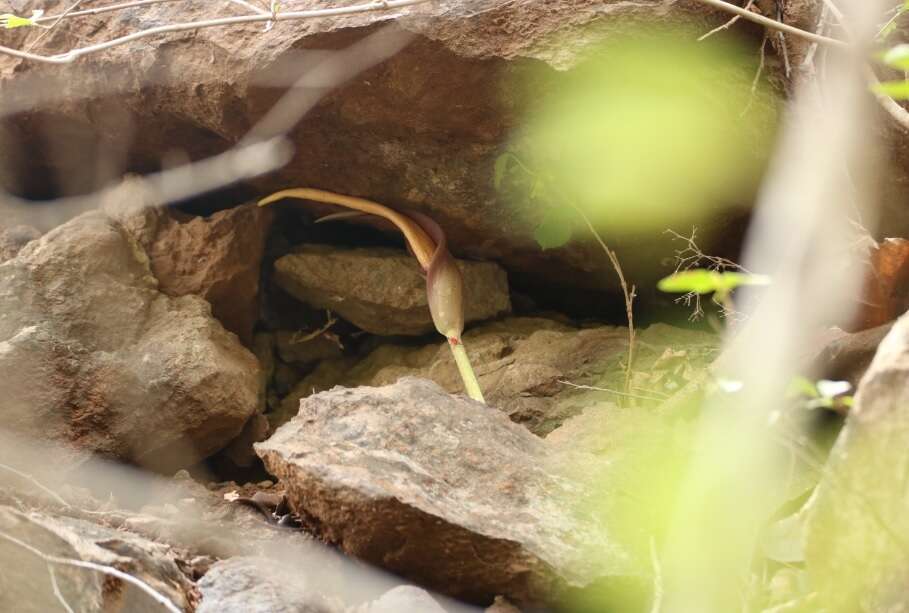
x,y
14,238
303,350
439,489
383,291
92,352
218,258
421,130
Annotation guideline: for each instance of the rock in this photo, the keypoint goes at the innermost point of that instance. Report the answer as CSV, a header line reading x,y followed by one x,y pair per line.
x,y
404,599
14,238
857,517
26,583
383,291
258,585
91,352
439,489
846,356
521,364
501,605
218,258
886,293
388,133
299,349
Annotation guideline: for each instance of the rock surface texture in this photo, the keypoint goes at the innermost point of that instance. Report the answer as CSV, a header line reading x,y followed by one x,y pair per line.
x,y
526,367
857,518
218,257
92,352
258,585
421,130
383,291
25,586
439,489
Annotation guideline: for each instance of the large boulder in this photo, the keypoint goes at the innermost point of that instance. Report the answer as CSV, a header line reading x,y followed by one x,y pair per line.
x,y
442,490
92,352
857,518
421,130
383,291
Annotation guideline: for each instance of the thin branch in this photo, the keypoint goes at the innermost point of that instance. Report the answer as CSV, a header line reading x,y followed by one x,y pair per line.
x,y
104,9
616,392
74,54
657,604
101,568
61,17
728,24
628,293
56,588
36,483
774,24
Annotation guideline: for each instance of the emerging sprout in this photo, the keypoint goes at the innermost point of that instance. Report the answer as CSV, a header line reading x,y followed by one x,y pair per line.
x,y
426,241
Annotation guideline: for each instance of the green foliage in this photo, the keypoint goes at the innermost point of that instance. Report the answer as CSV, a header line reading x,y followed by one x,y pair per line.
x,y
703,281
821,394
554,230
897,57
10,21
555,227
898,90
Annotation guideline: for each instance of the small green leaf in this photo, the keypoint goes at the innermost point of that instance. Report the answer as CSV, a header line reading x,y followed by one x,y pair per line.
x,y
697,280
10,21
897,57
554,229
703,281
898,90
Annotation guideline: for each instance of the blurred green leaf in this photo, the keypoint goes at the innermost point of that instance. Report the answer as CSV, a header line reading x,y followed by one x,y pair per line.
x,y
897,57
648,131
898,90
703,281
554,230
802,386
10,21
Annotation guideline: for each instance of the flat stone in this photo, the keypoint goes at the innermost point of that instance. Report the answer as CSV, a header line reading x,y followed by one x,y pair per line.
x,y
383,291
442,490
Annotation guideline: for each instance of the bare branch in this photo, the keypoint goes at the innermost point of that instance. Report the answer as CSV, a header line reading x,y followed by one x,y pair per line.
x,y
774,24
101,568
74,54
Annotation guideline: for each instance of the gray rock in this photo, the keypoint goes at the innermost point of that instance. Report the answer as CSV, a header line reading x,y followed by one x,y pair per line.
x,y
91,352
857,526
405,599
258,585
441,490
383,291
25,582
521,363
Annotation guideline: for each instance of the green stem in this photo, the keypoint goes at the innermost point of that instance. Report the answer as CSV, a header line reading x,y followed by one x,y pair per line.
x,y
470,379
